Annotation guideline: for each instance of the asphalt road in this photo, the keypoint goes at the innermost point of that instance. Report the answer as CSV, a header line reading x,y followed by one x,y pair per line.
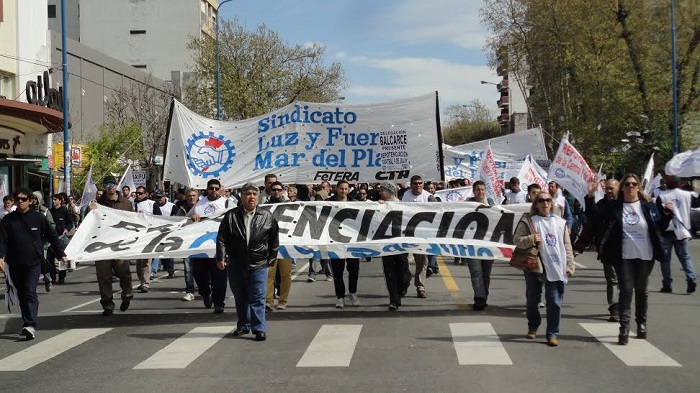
x,y
438,344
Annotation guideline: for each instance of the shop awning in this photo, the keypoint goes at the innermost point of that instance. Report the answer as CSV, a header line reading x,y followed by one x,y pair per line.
x,y
29,118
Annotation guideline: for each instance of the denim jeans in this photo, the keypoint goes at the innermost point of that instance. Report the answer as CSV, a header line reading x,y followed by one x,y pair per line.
x,y
480,271
634,276
189,277
553,294
25,279
681,247
249,287
432,263
611,285
168,265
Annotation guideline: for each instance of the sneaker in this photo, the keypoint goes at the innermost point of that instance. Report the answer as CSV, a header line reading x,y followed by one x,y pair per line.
x,y
354,300
428,272
393,307
269,307
281,306
28,332
340,303
422,294
114,279
188,297
153,277
311,279
107,312
691,286
329,278
143,289
540,305
553,342
531,335
171,276
48,286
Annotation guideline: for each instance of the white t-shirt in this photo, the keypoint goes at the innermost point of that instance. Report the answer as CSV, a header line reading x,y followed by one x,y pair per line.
x,y
516,197
167,208
408,196
635,233
682,201
145,206
552,249
207,207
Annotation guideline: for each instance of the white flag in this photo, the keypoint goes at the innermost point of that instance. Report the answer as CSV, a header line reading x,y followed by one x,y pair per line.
x,y
599,192
90,190
461,194
570,170
127,180
530,175
488,173
648,173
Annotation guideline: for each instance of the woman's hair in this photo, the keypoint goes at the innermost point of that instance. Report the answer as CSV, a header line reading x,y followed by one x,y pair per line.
x,y
533,207
642,196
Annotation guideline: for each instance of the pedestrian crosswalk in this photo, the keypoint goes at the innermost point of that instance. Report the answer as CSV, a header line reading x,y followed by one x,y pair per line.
x,y
333,345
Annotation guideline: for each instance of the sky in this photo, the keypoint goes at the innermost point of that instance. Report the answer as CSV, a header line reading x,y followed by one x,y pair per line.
x,y
389,49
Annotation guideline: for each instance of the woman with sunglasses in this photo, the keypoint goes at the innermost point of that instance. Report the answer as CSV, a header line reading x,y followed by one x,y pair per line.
x,y
631,242
548,232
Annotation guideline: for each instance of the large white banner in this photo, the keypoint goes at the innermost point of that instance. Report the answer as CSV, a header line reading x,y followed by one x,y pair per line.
x,y
307,143
312,230
463,161
570,170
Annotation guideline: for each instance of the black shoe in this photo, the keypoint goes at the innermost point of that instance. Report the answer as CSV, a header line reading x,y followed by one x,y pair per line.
x,y
240,332
691,286
624,336
260,336
436,271
480,304
61,281
642,331
125,304
143,289
107,312
393,307
666,289
428,272
48,286
114,279
218,310
208,302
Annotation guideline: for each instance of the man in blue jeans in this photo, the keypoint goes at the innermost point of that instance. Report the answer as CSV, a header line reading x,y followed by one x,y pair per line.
x,y
191,199
247,245
22,236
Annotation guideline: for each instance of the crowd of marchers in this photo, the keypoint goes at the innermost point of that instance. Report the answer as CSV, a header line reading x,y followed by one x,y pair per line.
x,y
628,229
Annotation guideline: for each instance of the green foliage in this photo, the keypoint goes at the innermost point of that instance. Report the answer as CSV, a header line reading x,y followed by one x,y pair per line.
x,y
259,73
469,123
601,69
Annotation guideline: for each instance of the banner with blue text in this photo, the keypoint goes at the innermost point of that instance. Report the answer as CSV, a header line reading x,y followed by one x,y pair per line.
x,y
307,143
318,230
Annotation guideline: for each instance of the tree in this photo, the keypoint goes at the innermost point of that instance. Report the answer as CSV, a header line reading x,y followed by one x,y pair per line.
x,y
259,73
600,69
470,123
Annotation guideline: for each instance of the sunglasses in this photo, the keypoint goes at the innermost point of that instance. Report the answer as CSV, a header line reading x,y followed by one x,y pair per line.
x,y
417,183
110,184
277,189
631,184
543,200
139,193
22,199
362,193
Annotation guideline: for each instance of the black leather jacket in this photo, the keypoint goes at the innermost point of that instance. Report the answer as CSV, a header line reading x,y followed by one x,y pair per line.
x,y
261,250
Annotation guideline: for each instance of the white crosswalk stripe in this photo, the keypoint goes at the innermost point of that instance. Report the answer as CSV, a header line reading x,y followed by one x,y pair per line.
x,y
186,349
636,353
333,346
478,343
49,348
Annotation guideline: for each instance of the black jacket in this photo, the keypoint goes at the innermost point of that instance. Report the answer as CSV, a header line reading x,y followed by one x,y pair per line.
x,y
22,237
611,242
595,224
62,218
261,250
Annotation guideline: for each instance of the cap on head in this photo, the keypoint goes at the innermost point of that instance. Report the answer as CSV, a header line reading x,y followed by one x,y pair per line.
x,y
389,186
109,179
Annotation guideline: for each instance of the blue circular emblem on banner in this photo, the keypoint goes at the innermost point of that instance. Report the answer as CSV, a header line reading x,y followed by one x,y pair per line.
x,y
208,154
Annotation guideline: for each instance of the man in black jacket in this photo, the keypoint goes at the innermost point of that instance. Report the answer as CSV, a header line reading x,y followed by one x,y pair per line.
x,y
247,244
22,235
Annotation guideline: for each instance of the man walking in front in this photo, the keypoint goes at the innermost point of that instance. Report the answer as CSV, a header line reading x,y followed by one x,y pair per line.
x,y
22,235
247,245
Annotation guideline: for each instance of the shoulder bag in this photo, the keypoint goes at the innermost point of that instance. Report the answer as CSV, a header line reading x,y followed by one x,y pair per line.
x,y
526,258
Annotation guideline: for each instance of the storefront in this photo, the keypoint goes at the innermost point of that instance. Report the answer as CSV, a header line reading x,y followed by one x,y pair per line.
x,y
25,137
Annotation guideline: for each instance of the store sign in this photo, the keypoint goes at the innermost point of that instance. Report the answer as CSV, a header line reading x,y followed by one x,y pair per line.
x,y
41,93
76,156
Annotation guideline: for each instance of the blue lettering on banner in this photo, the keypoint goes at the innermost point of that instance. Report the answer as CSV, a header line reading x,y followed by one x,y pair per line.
x,y
459,249
202,239
302,115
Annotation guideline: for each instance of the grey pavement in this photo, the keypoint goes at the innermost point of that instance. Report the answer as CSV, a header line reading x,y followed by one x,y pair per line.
x,y
416,349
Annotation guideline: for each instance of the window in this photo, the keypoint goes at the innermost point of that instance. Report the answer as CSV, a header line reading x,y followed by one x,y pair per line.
x,y
132,32
141,66
52,10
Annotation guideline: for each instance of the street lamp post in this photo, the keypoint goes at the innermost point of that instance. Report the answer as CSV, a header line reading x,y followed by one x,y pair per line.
x,y
675,77
218,74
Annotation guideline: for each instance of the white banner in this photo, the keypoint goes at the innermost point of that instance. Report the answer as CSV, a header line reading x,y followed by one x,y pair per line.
x,y
461,194
307,143
311,230
529,174
686,164
488,173
570,170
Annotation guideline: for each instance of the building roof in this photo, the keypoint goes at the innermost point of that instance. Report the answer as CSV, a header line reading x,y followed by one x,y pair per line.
x,y
29,118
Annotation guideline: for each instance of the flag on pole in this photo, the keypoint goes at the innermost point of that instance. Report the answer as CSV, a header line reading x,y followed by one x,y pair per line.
x,y
570,170
648,174
488,173
90,190
127,180
599,192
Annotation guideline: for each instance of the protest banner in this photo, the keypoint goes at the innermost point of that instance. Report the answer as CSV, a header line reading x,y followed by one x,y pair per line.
x,y
311,230
307,143
529,174
461,194
570,170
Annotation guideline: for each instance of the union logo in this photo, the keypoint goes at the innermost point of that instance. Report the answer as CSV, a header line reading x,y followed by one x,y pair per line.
x,y
208,155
